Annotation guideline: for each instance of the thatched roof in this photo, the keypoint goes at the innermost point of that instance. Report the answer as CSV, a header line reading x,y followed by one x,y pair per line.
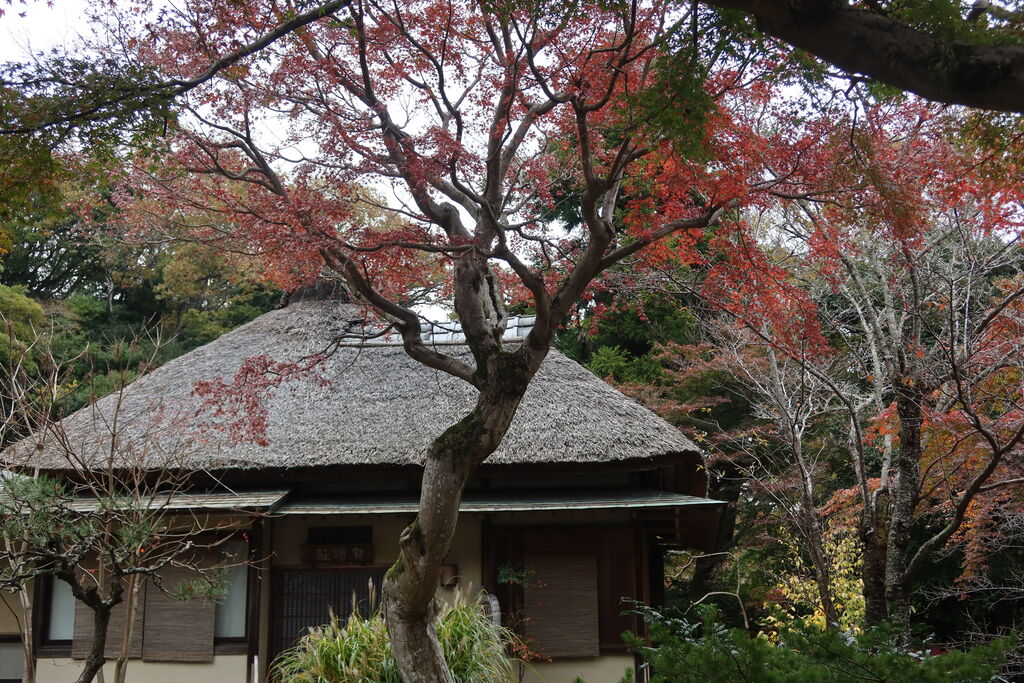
x,y
379,408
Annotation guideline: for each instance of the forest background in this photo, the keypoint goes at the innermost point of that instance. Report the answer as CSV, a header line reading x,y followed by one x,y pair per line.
x,y
758,336
105,307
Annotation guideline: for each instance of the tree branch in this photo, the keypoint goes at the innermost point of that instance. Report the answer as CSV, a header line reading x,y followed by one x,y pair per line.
x,y
863,42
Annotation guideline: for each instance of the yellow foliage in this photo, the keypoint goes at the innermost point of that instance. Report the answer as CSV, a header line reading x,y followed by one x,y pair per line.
x,y
798,592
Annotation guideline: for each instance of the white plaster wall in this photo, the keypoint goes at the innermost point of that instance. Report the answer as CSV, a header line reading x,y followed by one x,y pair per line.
x,y
606,669
223,669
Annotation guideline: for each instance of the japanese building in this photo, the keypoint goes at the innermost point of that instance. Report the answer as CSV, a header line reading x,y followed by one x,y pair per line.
x,y
585,494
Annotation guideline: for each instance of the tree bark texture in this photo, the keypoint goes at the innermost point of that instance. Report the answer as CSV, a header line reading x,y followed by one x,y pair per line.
x,y
903,504
865,42
873,577
95,661
410,585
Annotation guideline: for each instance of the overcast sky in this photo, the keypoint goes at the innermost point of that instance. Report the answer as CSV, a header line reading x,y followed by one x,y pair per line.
x,y
41,28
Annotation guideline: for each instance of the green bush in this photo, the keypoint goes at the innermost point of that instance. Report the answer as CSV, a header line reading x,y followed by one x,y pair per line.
x,y
614,362
709,652
359,651
21,321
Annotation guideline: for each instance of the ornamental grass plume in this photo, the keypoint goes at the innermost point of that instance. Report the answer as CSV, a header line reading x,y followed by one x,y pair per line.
x,y
359,650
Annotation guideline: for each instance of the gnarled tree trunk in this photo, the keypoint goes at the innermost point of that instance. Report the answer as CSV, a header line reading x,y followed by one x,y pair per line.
x,y
96,659
410,585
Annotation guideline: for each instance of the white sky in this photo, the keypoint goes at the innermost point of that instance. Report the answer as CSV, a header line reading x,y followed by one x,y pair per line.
x,y
41,28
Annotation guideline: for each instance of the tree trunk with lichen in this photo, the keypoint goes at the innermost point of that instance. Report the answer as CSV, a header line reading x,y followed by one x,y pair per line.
x,y
903,505
410,605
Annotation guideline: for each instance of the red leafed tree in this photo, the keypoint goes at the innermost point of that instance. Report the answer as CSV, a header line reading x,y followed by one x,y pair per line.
x,y
478,123
893,278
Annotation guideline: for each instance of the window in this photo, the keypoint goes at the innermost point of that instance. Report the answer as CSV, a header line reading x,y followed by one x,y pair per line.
x,y
301,598
197,630
61,625
164,629
12,659
231,613
59,605
560,599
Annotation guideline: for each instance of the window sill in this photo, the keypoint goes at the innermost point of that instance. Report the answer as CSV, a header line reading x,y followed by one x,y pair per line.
x,y
231,648
53,652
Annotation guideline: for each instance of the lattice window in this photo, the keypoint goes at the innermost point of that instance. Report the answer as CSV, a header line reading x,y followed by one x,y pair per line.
x,y
306,597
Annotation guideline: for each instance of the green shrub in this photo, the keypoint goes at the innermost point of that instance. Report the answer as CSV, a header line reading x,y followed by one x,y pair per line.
x,y
620,365
21,321
359,651
709,652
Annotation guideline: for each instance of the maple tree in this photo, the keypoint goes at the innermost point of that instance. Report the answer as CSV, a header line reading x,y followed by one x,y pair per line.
x,y
476,122
476,125
892,284
952,52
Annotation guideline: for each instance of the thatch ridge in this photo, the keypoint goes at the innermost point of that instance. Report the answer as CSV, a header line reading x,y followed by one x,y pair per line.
x,y
380,408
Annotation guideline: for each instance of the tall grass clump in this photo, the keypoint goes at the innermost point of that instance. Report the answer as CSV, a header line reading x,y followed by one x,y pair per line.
x,y
359,650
